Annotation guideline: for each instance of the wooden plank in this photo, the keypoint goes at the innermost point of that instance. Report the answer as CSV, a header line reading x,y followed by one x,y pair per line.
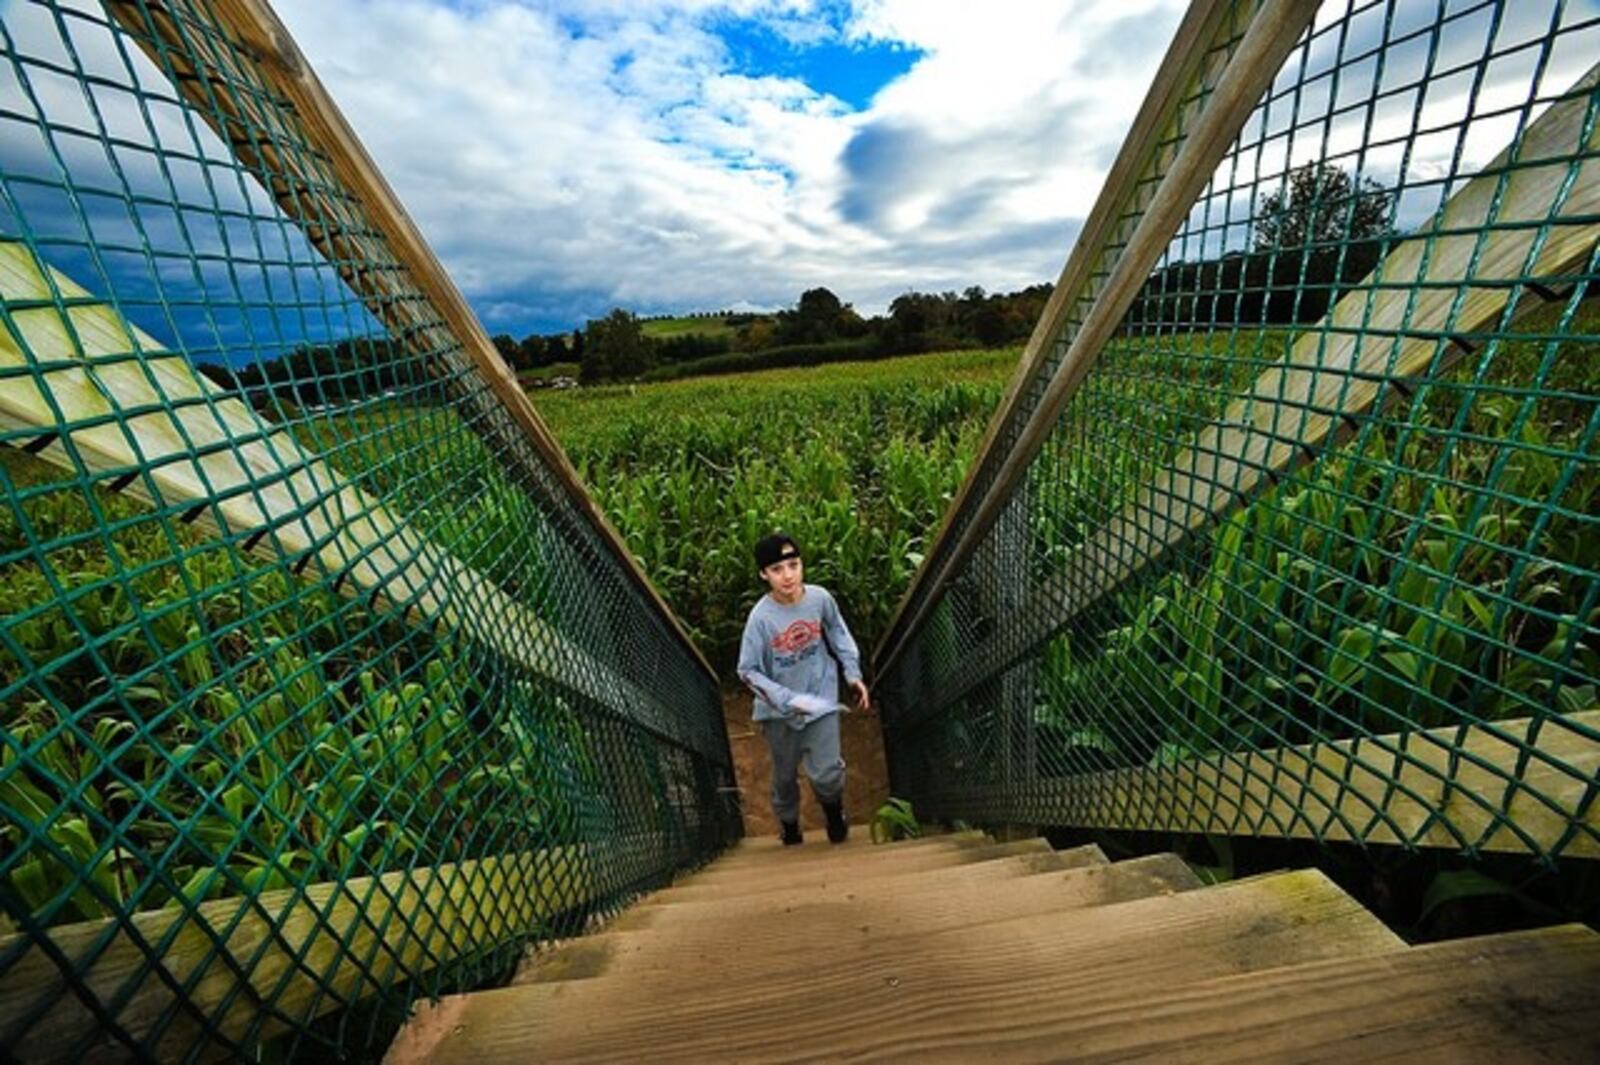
x,y
666,936
740,883
95,388
993,870
1449,278
255,967
1249,73
980,876
1522,996
752,852
1513,786
372,227
1190,62
838,859
911,992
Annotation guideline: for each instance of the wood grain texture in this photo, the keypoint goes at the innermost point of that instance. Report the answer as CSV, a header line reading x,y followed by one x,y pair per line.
x,y
1514,786
755,851
743,884
855,862
669,935
1452,277
993,977
300,952
992,871
1523,996
99,391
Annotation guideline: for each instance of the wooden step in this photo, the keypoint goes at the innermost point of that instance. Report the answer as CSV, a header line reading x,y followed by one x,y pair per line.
x,y
708,886
664,938
750,851
836,999
993,872
778,859
1521,996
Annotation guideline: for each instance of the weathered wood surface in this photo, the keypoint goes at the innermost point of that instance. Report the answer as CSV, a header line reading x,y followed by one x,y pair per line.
x,y
1453,277
659,938
1520,997
86,385
299,953
910,992
1513,786
821,881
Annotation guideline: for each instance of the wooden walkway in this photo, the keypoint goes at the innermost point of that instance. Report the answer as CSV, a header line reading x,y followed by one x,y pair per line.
x,y
957,948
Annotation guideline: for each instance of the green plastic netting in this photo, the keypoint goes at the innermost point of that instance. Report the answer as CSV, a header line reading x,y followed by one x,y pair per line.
x,y
1309,545
322,689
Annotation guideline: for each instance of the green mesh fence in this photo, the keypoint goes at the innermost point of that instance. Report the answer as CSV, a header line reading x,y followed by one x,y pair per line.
x,y
1309,544
322,688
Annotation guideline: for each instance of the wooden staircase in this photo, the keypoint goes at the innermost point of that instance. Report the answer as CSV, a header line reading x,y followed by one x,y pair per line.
x,y
957,948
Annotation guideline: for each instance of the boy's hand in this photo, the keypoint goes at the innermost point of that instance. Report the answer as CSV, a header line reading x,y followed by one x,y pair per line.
x,y
863,700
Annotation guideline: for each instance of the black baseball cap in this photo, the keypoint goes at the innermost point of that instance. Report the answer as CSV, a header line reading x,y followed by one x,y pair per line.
x,y
775,548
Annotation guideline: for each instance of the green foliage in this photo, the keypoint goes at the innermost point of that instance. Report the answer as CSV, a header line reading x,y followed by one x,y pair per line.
x,y
706,325
1438,567
184,721
615,346
857,461
895,820
771,359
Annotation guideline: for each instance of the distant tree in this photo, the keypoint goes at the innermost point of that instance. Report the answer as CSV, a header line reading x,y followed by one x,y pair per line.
x,y
815,320
506,346
555,349
989,325
755,335
1322,205
530,352
616,347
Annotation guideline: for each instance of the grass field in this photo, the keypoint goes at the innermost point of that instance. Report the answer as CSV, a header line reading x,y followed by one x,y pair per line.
x,y
856,460
665,328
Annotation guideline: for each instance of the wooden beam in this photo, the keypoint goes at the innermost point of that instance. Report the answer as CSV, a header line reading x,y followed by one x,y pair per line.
x,y
1194,58
201,977
1249,73
1201,38
95,389
370,225
1523,786
1453,276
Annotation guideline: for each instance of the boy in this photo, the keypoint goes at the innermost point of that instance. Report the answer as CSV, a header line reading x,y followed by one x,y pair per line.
x,y
792,640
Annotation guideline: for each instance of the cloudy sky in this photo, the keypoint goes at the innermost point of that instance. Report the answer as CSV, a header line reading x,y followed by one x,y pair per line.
x,y
567,156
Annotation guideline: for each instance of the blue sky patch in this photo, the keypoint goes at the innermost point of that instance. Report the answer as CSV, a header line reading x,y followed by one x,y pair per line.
x,y
852,72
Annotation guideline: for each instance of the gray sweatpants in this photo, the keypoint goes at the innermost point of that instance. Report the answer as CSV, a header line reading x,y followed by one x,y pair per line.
x,y
816,747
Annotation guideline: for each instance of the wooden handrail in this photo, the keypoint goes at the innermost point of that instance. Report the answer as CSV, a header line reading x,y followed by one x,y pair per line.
x,y
343,233
1519,787
1455,274
207,975
1193,58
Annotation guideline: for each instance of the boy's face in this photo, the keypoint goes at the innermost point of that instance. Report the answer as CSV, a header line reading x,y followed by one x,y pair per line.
x,y
785,577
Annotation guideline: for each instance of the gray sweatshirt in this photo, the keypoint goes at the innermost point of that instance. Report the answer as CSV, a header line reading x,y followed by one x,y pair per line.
x,y
783,654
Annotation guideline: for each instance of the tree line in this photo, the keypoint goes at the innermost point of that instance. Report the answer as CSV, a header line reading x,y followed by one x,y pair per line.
x,y
618,347
1319,235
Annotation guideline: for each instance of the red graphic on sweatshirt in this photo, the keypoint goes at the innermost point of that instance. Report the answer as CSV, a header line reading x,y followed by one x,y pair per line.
x,y
797,637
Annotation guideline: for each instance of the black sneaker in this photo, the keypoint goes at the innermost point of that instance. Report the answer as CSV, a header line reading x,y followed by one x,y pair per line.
x,y
791,833
838,827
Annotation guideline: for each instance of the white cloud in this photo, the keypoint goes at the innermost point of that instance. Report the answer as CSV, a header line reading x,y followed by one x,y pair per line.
x,y
573,156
